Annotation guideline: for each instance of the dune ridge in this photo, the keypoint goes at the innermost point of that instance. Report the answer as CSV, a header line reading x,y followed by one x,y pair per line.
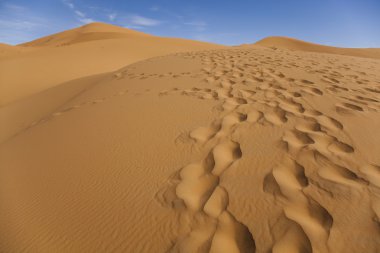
x,y
299,45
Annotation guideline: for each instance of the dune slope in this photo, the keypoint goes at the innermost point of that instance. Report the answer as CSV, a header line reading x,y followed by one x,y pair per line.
x,y
92,49
299,45
229,150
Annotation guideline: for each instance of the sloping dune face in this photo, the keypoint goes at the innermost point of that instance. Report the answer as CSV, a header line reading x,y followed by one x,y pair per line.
x,y
5,47
9,50
84,51
299,45
229,150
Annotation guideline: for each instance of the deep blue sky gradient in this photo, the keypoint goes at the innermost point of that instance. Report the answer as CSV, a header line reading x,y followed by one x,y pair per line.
x,y
345,23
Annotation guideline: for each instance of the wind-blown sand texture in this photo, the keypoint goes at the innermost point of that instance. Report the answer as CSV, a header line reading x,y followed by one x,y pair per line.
x,y
247,149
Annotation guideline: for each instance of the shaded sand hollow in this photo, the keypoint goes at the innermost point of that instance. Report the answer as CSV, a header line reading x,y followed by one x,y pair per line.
x,y
241,149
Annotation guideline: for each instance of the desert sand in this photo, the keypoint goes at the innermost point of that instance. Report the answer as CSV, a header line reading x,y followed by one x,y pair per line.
x,y
168,145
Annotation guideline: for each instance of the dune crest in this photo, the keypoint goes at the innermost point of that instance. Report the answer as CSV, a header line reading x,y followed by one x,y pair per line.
x,y
299,45
89,32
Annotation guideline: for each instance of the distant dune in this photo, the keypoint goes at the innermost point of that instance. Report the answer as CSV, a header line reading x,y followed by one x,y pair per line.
x,y
299,45
91,49
90,32
4,46
9,50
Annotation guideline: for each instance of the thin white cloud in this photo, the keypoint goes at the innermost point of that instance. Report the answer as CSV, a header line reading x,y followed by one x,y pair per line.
x,y
154,8
132,20
18,24
86,20
69,4
13,7
143,21
166,12
196,23
112,16
80,15
198,26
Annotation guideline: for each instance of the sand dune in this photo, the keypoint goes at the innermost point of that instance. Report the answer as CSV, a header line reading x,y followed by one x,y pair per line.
x,y
243,149
299,45
92,49
5,47
7,51
89,32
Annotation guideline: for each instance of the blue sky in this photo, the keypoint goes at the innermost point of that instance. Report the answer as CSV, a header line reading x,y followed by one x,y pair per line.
x,y
346,23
